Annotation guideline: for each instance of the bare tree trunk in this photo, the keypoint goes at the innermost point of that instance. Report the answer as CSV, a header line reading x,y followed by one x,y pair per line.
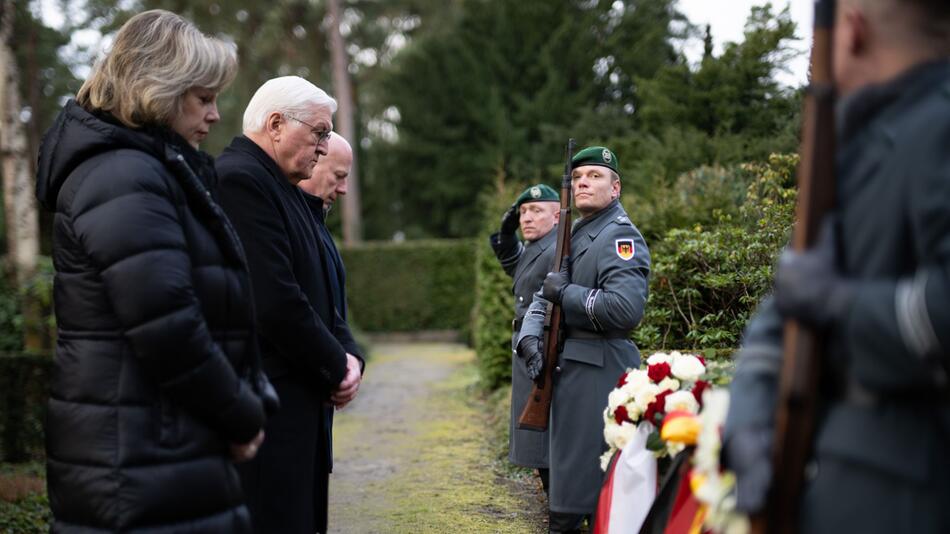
x,y
22,226
352,219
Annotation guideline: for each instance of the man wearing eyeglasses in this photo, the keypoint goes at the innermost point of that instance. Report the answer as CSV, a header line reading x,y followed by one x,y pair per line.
x,y
306,346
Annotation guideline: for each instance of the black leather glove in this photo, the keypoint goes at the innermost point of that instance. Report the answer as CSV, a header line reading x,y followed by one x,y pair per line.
x,y
510,221
531,350
808,286
748,454
554,283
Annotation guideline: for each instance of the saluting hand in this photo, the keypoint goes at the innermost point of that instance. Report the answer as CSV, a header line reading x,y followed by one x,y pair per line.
x,y
346,391
510,221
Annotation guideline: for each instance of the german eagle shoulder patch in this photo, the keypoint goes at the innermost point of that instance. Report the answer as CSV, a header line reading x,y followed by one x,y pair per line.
x,y
624,248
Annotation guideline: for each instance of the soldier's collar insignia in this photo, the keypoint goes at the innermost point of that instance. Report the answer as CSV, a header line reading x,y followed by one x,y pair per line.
x,y
624,249
535,192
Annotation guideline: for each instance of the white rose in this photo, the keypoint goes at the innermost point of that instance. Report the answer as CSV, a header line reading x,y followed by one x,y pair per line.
x,y
669,383
658,357
646,395
635,379
681,400
687,367
617,436
616,398
626,433
633,410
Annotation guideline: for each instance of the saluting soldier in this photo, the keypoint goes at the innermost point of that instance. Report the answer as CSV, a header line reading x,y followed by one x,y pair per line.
x,y
877,284
536,211
602,290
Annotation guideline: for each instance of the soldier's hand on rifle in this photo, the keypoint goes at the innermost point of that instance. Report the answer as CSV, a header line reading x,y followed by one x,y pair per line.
x,y
510,221
531,349
748,454
808,286
554,283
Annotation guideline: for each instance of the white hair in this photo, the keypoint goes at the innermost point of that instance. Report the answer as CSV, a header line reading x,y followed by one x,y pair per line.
x,y
291,95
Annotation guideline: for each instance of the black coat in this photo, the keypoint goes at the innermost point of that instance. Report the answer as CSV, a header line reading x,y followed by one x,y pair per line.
x,y
304,340
883,430
154,325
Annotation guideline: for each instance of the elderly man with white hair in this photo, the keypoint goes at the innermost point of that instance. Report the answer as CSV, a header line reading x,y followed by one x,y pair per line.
x,y
306,346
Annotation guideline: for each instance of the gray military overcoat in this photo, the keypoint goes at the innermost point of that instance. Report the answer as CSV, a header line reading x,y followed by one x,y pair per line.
x,y
881,462
610,267
527,265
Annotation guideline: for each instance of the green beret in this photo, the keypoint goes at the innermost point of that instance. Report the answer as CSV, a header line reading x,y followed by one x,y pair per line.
x,y
538,193
596,155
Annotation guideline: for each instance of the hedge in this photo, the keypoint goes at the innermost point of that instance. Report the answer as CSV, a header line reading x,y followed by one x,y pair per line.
x,y
24,388
409,286
494,303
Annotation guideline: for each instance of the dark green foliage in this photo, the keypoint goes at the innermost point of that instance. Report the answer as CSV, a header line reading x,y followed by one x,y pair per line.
x,y
28,515
726,111
494,304
24,388
500,94
708,276
420,285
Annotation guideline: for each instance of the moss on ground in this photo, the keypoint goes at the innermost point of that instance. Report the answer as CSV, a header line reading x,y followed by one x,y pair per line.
x,y
445,471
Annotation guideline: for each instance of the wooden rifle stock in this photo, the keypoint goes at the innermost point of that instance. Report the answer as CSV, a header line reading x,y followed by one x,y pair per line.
x,y
537,410
801,365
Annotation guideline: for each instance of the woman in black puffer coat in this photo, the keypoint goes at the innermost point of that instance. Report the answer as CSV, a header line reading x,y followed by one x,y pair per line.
x,y
151,399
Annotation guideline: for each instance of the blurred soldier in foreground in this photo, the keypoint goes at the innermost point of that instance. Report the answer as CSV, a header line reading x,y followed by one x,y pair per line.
x,y
877,285
602,293
536,211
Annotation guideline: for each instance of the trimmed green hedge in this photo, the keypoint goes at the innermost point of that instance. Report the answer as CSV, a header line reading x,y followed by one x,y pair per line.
x,y
494,303
24,388
415,285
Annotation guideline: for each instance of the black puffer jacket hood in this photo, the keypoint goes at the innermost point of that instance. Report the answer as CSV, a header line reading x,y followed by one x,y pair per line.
x,y
76,136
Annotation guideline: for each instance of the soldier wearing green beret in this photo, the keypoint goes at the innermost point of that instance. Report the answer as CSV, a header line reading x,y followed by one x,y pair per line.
x,y
536,211
602,291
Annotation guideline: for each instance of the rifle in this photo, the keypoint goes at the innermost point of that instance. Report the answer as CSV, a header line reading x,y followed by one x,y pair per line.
x,y
537,410
800,376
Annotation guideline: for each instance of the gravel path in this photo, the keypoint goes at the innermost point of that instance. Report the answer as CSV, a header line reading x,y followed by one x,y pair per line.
x,y
416,452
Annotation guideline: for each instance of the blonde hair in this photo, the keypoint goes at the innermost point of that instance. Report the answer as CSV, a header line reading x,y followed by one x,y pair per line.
x,y
287,95
157,56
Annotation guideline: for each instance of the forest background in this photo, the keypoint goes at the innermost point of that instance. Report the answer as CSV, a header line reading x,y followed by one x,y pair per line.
x,y
454,107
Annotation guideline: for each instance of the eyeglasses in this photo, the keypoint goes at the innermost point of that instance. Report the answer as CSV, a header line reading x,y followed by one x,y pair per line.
x,y
319,135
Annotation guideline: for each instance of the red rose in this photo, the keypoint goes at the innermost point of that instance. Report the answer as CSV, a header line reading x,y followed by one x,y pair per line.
x,y
698,389
657,407
658,371
701,360
623,380
620,415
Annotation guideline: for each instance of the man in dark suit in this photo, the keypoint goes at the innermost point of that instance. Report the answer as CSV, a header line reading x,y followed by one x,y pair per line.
x,y
306,346
876,285
536,212
326,183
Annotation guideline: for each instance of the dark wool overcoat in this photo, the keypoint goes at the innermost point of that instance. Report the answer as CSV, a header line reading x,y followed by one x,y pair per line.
x,y
304,340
